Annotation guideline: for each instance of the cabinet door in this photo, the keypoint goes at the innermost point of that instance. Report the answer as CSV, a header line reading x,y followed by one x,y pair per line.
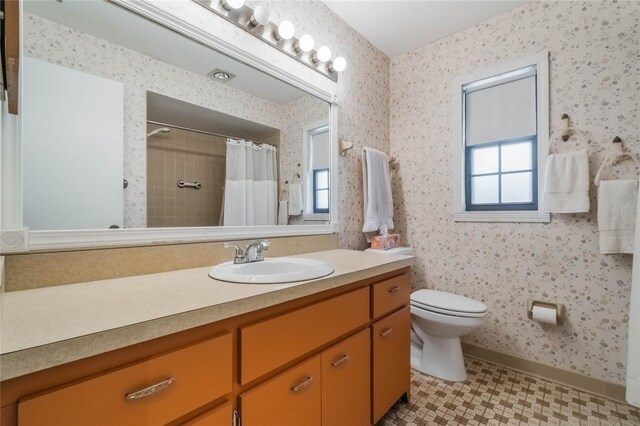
x,y
391,361
346,383
219,416
291,398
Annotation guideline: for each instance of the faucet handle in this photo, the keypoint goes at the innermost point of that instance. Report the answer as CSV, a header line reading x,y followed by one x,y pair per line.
x,y
265,244
239,251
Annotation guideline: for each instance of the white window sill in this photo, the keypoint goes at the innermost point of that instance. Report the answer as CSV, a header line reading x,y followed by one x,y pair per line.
x,y
503,216
316,216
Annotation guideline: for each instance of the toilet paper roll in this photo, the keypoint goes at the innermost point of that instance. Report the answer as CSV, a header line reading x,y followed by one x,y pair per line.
x,y
544,315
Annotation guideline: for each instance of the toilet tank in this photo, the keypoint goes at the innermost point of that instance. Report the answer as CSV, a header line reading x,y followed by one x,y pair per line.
x,y
396,250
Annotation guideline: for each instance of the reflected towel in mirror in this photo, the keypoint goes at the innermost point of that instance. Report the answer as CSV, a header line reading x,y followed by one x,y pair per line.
x,y
295,199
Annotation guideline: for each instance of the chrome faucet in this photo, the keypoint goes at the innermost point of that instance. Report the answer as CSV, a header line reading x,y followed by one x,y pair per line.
x,y
254,252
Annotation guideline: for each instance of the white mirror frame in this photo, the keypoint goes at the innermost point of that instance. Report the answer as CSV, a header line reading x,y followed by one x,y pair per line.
x,y
16,238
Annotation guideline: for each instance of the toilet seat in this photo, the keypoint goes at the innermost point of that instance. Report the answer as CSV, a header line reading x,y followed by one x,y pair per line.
x,y
448,304
447,312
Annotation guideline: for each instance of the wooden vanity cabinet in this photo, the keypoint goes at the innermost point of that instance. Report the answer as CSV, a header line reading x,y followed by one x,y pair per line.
x,y
292,398
391,360
346,382
338,357
333,388
219,416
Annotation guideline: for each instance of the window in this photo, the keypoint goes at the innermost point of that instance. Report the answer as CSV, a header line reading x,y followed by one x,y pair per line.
x,y
500,138
317,174
321,191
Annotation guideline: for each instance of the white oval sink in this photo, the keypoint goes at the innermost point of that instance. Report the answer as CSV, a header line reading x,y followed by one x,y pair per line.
x,y
272,270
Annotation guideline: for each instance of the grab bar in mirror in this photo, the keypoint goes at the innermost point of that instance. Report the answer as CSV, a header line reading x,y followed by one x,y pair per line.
x,y
187,184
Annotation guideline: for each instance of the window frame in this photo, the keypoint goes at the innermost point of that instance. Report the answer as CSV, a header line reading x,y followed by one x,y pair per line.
x,y
502,206
315,189
459,181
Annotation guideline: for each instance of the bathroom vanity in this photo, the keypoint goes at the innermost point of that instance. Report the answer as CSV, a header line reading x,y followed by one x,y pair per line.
x,y
329,351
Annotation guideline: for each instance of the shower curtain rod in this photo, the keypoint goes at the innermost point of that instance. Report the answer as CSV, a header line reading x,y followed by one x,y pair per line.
x,y
200,131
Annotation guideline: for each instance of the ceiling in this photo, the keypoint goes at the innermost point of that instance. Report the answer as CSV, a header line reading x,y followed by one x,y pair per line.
x,y
163,109
117,25
397,27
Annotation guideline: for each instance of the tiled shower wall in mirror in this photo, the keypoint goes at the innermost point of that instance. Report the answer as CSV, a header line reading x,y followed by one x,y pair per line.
x,y
190,156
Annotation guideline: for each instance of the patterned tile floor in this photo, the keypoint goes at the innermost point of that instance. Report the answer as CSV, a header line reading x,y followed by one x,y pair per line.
x,y
494,395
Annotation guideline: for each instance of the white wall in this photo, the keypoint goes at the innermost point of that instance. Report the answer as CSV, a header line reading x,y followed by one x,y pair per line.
x,y
72,144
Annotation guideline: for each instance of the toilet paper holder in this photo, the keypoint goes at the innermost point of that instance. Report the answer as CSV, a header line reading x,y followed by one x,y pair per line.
x,y
559,308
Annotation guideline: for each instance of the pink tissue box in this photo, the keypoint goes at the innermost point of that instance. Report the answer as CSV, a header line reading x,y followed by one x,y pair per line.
x,y
385,242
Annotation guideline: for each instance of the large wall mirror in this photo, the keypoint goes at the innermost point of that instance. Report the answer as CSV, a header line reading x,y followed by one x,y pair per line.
x,y
126,123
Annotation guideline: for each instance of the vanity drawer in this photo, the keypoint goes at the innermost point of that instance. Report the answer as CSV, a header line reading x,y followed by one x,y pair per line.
x,y
390,294
200,373
267,345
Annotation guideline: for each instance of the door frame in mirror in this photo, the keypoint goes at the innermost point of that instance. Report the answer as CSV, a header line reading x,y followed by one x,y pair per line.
x,y
16,238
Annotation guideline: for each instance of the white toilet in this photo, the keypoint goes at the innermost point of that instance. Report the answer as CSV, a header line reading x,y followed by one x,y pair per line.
x,y
438,319
408,251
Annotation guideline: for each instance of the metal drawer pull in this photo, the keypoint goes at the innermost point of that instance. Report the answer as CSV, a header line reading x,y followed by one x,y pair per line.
x,y
143,393
386,332
302,385
342,360
394,289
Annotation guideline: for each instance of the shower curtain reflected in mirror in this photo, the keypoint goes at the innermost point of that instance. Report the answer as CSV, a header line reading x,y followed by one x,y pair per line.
x,y
250,195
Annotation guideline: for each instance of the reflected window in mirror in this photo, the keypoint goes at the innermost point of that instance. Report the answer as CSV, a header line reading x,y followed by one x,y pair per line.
x,y
317,160
321,190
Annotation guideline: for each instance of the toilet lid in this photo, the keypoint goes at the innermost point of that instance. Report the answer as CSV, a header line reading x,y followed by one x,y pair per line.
x,y
443,301
396,250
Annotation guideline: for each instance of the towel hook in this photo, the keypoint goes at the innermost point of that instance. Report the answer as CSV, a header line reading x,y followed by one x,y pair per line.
x,y
567,124
344,146
617,139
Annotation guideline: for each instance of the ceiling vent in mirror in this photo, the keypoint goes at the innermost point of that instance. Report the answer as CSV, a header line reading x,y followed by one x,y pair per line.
x,y
221,76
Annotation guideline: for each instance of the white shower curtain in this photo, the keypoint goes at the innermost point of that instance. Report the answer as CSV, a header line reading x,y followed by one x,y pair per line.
x,y
250,195
633,354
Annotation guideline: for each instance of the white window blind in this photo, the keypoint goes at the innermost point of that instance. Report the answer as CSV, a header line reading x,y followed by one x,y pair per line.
x,y
501,112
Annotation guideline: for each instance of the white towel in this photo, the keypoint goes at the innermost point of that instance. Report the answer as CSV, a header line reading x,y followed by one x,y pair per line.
x,y
633,346
376,182
295,199
617,204
566,183
283,212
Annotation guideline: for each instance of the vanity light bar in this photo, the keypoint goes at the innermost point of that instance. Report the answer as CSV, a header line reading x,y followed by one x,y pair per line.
x,y
281,36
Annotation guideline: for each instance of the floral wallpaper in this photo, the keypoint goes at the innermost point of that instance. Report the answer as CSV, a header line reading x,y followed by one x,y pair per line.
x,y
595,78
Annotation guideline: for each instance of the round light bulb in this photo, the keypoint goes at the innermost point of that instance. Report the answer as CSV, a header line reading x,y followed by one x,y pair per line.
x,y
285,30
261,15
323,54
305,44
232,4
338,64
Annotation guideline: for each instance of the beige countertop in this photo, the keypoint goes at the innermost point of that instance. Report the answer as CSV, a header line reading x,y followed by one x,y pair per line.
x,y
50,326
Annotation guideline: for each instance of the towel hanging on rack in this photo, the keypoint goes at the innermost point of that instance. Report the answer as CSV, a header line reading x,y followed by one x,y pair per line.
x,y
617,206
566,182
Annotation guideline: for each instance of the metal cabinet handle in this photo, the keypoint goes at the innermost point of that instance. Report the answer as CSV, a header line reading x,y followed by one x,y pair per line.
x,y
394,289
302,385
148,391
342,360
386,332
